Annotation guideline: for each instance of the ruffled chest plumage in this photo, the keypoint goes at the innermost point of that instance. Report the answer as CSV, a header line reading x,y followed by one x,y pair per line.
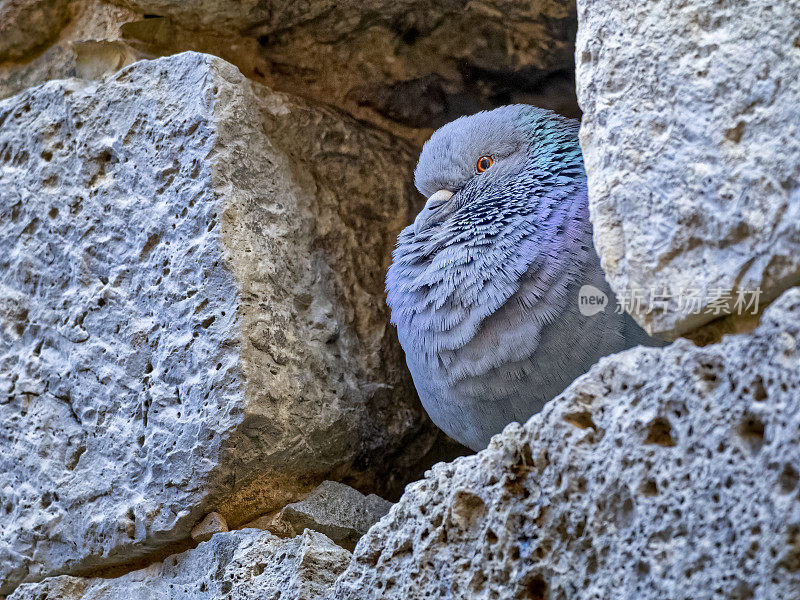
x,y
501,264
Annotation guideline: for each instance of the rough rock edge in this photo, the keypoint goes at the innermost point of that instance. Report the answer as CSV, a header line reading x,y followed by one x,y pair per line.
x,y
661,473
342,513
246,564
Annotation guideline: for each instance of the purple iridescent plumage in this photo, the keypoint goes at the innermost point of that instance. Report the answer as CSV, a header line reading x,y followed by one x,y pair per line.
x,y
484,290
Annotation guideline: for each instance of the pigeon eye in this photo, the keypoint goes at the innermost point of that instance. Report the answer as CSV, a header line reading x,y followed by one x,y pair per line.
x,y
484,162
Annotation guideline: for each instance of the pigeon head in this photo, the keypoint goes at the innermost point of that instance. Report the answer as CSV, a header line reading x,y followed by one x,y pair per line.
x,y
499,149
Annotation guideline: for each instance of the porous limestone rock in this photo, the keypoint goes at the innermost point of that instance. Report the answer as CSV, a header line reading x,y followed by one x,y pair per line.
x,y
191,311
337,510
691,136
662,473
245,565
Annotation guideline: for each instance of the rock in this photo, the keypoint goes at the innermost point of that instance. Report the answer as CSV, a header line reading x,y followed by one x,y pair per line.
x,y
246,565
337,510
691,136
372,59
662,473
191,295
211,524
227,15
414,18
26,25
272,523
89,46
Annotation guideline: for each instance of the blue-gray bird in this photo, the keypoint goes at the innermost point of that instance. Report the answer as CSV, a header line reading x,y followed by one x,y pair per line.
x,y
484,284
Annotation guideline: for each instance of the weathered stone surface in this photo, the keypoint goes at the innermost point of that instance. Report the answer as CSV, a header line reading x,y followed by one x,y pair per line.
x,y
514,40
691,136
337,510
191,311
237,15
246,565
29,24
661,473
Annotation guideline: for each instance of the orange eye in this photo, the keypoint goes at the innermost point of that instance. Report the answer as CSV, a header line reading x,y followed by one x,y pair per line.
x,y
484,162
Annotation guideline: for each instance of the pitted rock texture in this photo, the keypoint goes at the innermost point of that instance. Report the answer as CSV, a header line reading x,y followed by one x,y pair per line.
x,y
245,565
191,311
661,473
337,510
691,137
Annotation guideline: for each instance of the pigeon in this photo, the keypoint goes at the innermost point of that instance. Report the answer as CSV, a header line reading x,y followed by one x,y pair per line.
x,y
485,286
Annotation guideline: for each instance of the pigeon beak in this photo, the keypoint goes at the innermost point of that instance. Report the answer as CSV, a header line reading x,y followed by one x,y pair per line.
x,y
432,205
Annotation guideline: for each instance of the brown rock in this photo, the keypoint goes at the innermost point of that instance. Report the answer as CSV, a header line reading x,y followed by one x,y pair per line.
x,y
373,59
26,25
211,524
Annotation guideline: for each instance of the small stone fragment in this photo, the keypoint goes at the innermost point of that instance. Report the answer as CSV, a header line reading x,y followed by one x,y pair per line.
x,y
211,524
335,509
